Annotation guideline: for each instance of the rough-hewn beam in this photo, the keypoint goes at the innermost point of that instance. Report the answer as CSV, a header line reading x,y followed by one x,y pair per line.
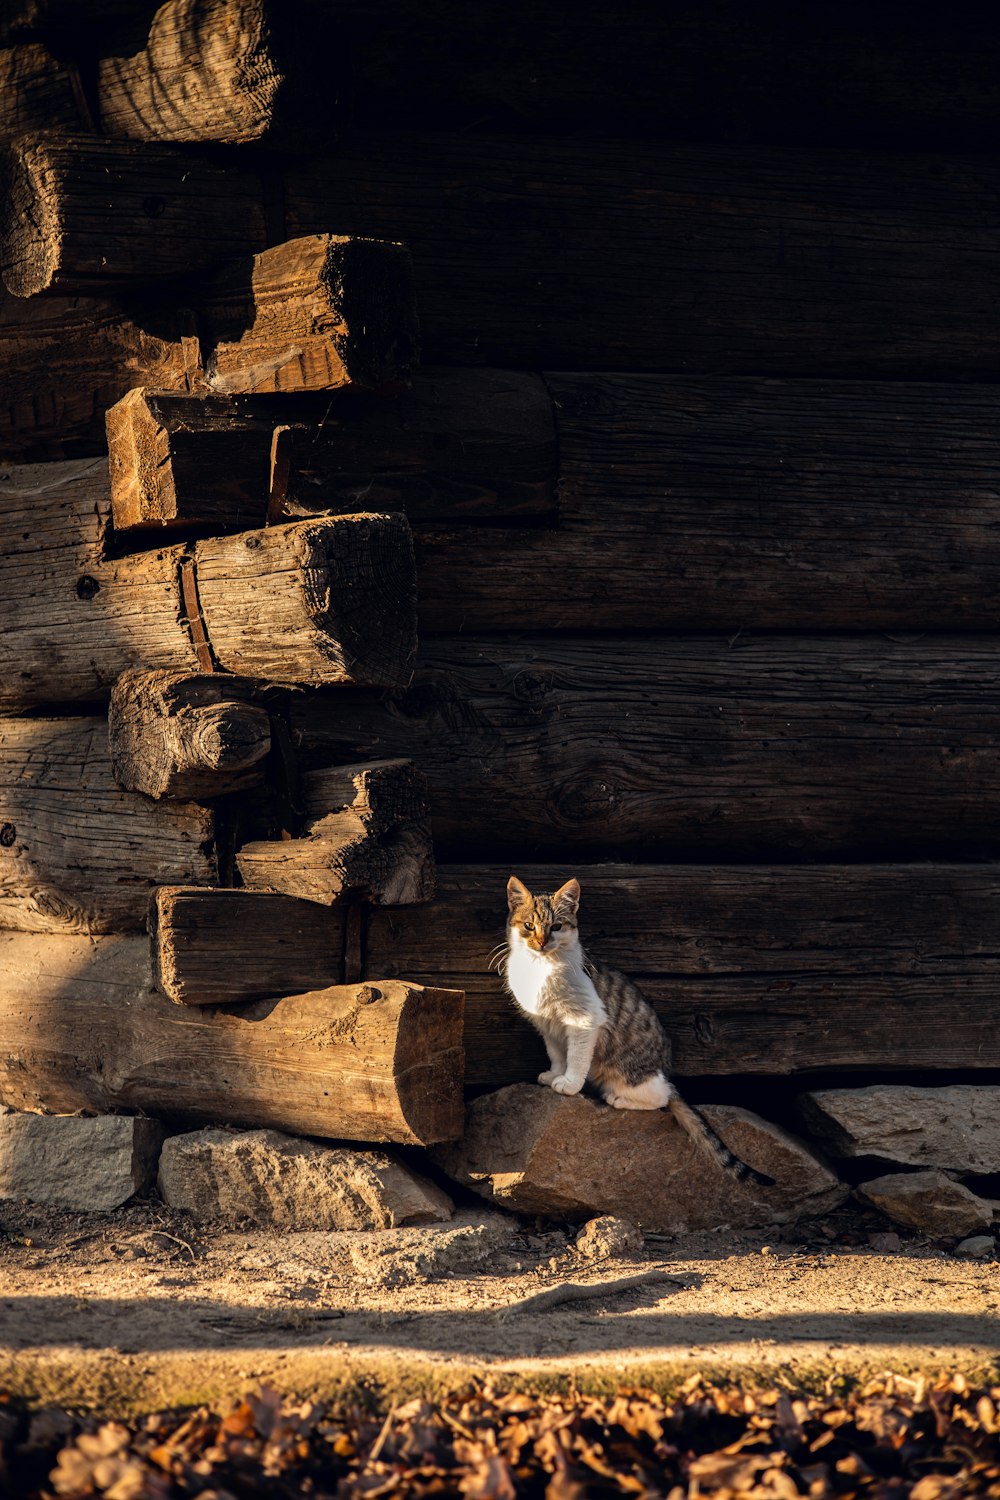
x,y
795,744
753,969
84,214
78,854
174,734
702,258
201,954
458,445
38,92
315,601
81,1027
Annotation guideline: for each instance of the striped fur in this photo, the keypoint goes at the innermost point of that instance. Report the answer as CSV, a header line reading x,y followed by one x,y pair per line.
x,y
596,1023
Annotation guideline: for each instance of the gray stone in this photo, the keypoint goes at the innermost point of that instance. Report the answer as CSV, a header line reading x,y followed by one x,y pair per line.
x,y
602,1238
929,1201
404,1256
979,1246
67,1161
538,1152
279,1181
957,1127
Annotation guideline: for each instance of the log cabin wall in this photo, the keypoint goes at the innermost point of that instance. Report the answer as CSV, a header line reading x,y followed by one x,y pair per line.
x,y
700,464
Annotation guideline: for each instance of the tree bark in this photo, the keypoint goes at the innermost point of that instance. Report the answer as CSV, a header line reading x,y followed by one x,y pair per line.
x,y
78,854
752,969
536,746
722,259
179,736
85,215
201,956
331,601
459,444
81,1027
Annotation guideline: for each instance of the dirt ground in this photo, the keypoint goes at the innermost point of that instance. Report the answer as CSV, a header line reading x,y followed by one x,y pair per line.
x,y
141,1308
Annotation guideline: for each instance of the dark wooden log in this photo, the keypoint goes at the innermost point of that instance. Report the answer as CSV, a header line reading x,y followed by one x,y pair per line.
x,y
703,259
78,854
39,92
790,744
367,832
325,600
181,736
743,502
86,215
318,312
752,969
459,444
81,1027
201,954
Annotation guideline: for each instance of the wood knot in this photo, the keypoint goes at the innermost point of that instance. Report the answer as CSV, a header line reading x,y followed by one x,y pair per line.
x,y
87,587
368,994
154,207
8,833
531,687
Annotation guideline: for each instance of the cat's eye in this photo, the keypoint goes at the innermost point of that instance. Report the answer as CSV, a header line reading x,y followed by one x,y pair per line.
x,y
557,927
529,926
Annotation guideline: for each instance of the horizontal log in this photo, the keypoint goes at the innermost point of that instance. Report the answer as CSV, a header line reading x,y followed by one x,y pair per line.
x,y
83,214
712,259
181,736
201,956
82,1028
78,854
458,444
785,744
39,91
752,969
315,600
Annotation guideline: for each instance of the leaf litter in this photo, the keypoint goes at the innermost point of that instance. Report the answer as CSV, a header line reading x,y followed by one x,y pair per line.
x,y
893,1437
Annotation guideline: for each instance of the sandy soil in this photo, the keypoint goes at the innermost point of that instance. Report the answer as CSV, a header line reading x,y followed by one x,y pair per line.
x,y
140,1308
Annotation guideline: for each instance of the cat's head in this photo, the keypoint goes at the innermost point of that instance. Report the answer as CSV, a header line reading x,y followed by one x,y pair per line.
x,y
546,924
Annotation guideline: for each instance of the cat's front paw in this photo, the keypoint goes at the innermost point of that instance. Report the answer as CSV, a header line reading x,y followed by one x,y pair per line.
x,y
547,1077
564,1085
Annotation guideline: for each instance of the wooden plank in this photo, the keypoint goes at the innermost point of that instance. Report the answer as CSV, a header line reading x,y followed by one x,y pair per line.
x,y
787,744
331,599
740,502
181,736
752,969
201,955
702,258
458,445
81,1027
86,215
78,854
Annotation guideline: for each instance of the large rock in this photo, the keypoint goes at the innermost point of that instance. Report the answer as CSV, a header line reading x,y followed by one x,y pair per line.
x,y
263,1177
67,1161
957,1127
538,1152
929,1201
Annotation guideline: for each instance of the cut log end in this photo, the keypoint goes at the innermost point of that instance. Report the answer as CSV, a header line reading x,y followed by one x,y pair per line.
x,y
370,282
29,221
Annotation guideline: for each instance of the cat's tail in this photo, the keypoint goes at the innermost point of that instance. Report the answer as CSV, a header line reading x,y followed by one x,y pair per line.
x,y
701,1132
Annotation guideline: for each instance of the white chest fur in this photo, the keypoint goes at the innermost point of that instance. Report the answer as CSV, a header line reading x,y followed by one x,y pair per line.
x,y
541,982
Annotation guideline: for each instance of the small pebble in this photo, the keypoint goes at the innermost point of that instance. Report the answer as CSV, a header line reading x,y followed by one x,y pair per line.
x,y
608,1236
979,1246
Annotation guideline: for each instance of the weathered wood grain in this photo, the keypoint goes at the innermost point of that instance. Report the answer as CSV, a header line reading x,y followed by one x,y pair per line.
x,y
793,744
201,955
38,91
78,854
702,258
86,215
331,599
81,1027
752,969
181,736
477,444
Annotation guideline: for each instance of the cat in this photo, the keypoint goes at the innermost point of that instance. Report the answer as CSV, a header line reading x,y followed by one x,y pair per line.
x,y
595,1022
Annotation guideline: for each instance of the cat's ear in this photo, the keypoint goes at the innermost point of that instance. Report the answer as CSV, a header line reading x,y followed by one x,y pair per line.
x,y
517,894
567,897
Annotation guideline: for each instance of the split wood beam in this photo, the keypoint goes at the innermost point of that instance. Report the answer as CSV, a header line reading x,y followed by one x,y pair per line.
x,y
177,735
81,1027
39,91
478,444
787,744
366,832
77,853
310,601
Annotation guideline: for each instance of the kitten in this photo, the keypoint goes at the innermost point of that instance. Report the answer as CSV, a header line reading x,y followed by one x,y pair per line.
x,y
595,1022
